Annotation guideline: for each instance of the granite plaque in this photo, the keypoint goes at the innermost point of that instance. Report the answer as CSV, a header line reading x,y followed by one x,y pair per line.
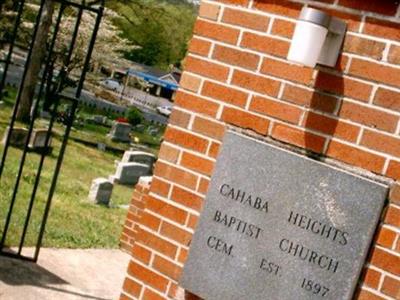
x,y
279,226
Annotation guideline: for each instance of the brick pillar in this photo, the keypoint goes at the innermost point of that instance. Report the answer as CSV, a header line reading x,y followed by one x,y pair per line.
x,y
135,213
236,74
381,274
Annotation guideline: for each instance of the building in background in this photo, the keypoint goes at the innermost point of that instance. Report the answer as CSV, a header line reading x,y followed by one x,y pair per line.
x,y
145,86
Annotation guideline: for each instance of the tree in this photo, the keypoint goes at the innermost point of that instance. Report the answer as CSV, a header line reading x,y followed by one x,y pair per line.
x,y
35,65
161,29
7,19
134,116
110,46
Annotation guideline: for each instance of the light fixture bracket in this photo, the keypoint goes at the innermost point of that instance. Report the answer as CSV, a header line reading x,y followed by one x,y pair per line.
x,y
333,43
318,38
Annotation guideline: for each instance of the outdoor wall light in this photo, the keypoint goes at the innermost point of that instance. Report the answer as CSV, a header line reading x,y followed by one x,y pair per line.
x,y
318,38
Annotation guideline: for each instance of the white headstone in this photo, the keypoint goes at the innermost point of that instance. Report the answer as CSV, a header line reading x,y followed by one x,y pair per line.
x,y
100,191
129,173
145,181
98,119
139,157
38,139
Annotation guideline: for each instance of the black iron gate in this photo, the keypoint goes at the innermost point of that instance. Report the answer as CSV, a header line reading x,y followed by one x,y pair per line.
x,y
55,101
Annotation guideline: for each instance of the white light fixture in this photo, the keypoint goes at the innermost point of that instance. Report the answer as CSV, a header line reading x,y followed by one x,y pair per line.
x,y
318,38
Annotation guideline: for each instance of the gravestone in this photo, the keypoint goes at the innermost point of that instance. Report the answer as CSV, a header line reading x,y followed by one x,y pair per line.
x,y
139,157
38,140
140,128
101,147
129,173
108,123
145,181
153,132
120,132
18,136
99,119
277,225
45,115
100,191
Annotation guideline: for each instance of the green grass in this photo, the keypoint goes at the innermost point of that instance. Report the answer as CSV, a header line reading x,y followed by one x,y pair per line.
x,y
73,222
99,134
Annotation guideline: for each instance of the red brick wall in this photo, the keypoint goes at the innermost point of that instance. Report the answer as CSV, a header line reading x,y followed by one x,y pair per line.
x,y
236,74
134,217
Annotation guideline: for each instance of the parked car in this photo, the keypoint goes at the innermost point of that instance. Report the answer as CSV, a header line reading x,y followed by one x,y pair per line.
x,y
112,84
164,110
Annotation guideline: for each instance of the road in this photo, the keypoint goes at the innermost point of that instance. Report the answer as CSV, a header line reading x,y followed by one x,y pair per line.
x,y
14,75
151,116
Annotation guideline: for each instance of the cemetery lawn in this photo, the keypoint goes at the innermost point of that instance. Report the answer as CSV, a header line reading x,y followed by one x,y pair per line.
x,y
99,134
73,222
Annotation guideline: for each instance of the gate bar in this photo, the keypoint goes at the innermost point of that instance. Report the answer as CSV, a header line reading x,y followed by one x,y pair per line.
x,y
90,50
56,173
48,134
34,115
56,92
13,119
11,47
66,136
7,143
